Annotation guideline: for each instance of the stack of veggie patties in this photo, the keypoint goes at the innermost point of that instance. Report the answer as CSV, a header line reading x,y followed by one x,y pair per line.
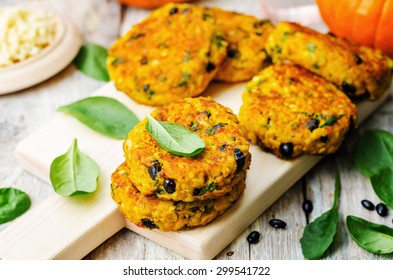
x,y
180,48
155,188
304,103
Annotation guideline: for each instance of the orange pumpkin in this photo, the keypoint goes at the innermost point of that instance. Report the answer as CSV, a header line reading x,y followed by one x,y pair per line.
x,y
368,22
148,4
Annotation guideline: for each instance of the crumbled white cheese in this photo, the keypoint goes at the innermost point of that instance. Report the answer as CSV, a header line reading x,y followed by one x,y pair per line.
x,y
24,33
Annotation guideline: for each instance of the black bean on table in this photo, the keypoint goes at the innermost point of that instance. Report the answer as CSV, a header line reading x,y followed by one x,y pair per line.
x,y
307,206
382,210
253,237
277,223
368,204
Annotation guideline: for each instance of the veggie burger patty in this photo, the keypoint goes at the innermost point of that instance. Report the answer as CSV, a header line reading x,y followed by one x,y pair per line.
x,y
167,215
246,36
359,71
290,111
210,174
174,53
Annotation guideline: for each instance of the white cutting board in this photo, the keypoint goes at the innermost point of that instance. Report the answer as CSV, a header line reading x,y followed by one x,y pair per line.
x,y
70,228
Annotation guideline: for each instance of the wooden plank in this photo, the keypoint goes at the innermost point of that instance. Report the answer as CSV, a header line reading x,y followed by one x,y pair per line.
x,y
267,180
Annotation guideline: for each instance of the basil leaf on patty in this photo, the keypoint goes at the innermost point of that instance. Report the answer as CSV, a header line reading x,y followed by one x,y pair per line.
x,y
175,138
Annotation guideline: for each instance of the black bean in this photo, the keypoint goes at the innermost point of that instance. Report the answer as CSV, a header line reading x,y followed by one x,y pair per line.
x,y
210,67
365,95
185,10
312,124
146,87
348,88
324,139
143,60
260,23
286,149
173,11
307,206
240,158
368,204
232,53
253,237
358,59
223,147
148,223
268,59
196,192
169,185
154,169
207,113
277,223
382,210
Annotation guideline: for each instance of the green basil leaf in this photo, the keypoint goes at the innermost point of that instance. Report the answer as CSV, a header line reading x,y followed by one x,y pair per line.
x,y
319,234
13,203
74,173
104,115
175,138
91,60
373,156
375,238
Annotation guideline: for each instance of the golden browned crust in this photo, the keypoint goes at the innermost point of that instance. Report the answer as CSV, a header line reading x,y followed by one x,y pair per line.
x,y
246,36
359,71
172,54
291,111
166,215
210,174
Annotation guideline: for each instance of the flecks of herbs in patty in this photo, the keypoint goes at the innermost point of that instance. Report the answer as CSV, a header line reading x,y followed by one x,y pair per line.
x,y
174,138
208,188
213,130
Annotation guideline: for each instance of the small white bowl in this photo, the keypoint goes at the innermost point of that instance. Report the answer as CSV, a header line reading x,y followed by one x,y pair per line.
x,y
45,64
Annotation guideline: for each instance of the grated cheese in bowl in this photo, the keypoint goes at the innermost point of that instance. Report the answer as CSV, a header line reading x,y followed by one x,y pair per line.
x,y
24,33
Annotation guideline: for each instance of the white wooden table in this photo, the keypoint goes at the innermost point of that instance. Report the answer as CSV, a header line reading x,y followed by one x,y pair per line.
x,y
102,22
